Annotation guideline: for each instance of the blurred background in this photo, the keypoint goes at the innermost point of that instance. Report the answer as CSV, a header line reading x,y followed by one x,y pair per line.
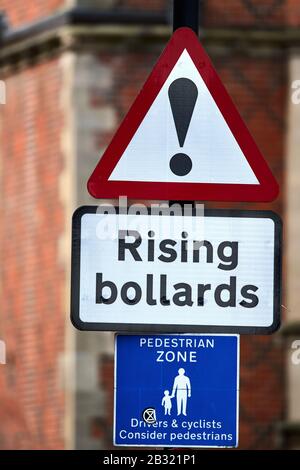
x,y
70,70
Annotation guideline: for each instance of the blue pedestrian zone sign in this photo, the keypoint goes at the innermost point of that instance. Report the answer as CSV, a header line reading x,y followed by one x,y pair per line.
x,y
176,390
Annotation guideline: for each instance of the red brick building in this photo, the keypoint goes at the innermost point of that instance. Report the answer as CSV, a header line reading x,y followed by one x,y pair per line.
x,y
72,68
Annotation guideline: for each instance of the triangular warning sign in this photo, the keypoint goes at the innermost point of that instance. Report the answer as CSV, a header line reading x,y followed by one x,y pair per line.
x,y
183,138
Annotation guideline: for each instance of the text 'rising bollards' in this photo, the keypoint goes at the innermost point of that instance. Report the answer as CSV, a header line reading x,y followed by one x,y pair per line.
x,y
131,245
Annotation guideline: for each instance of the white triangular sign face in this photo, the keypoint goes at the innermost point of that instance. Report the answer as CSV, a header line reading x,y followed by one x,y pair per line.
x,y
215,154
183,138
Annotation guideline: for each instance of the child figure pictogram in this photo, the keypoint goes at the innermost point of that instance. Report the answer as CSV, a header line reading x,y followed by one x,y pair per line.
x,y
167,402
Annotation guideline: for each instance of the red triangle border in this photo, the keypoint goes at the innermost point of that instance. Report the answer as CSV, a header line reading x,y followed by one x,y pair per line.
x,y
99,185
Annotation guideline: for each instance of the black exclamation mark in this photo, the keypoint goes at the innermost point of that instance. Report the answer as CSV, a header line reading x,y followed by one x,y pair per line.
x,y
183,95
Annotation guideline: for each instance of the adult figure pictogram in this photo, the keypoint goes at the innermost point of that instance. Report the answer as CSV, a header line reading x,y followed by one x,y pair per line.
x,y
182,391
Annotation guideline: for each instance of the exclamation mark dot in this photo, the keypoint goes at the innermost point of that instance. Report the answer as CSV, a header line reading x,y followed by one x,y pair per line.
x,y
183,95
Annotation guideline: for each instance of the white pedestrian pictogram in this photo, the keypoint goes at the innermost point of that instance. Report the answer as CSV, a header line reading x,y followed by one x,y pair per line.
x,y
182,391
167,402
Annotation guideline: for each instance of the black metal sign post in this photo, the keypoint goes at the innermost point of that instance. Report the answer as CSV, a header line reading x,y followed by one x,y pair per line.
x,y
186,13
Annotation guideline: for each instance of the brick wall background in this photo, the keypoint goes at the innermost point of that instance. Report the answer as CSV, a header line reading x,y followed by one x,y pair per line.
x,y
19,12
32,320
261,13
33,277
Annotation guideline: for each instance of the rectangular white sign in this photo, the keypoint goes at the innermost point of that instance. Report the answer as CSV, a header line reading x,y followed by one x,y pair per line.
x,y
168,273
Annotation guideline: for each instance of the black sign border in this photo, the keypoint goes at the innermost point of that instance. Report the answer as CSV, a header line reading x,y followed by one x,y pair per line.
x,y
157,328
